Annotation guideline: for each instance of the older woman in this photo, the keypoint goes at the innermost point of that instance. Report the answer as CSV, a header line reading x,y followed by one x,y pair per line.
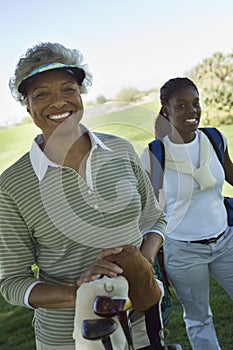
x,y
73,200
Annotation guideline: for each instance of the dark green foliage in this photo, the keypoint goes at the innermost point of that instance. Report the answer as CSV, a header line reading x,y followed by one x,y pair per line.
x,y
214,79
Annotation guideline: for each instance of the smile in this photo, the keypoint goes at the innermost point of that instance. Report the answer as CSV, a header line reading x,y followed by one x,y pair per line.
x,y
191,120
60,117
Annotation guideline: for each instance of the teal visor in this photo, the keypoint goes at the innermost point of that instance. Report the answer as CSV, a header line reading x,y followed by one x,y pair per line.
x,y
78,72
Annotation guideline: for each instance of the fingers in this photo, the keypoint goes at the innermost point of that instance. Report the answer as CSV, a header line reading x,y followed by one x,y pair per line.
x,y
84,279
105,252
101,267
107,268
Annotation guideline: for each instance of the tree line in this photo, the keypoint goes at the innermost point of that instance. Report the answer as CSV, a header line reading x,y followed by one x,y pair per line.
x,y
214,79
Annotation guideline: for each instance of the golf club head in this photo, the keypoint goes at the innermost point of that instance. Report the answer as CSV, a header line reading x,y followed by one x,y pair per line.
x,y
95,329
105,306
109,307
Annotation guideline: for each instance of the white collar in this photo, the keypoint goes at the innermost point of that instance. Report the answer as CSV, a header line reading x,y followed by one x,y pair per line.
x,y
40,162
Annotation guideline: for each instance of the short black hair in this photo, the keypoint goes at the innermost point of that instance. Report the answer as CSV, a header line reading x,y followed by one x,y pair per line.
x,y
173,85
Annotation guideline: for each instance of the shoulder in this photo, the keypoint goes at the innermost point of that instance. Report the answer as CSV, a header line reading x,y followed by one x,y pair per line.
x,y
113,141
224,139
18,171
145,159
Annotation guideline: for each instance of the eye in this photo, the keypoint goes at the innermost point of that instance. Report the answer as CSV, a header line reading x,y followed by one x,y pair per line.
x,y
197,104
40,95
181,105
69,90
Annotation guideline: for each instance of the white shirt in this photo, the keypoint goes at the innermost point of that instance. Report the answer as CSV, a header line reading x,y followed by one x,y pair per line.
x,y
192,214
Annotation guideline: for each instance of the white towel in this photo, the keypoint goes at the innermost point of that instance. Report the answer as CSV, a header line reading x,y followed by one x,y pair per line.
x,y
202,174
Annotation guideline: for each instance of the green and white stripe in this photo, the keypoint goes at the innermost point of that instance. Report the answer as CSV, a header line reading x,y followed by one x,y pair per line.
x,y
60,223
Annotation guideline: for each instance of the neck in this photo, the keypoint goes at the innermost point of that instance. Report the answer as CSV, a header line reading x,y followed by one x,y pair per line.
x,y
180,137
68,150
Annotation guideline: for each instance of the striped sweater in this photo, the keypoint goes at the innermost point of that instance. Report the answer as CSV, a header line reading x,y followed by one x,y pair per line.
x,y
61,224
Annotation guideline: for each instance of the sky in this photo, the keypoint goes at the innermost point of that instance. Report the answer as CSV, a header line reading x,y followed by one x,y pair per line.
x,y
127,43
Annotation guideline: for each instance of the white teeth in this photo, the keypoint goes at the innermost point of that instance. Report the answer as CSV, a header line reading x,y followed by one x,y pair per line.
x,y
59,116
191,120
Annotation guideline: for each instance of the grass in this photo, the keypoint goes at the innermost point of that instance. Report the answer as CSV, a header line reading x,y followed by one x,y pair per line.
x,y
14,142
221,306
136,125
16,330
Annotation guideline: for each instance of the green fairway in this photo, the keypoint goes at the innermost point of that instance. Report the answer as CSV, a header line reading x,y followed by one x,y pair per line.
x,y
135,124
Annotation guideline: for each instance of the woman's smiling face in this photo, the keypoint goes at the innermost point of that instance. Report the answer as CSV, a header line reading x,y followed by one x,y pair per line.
x,y
183,110
53,99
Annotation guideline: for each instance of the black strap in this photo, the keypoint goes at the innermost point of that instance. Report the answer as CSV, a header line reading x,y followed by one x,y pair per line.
x,y
216,139
157,162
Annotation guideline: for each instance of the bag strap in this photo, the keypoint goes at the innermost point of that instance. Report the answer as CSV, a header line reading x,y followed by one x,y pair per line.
x,y
216,139
157,162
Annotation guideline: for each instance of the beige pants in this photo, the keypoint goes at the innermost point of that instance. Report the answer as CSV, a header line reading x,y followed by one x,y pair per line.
x,y
41,346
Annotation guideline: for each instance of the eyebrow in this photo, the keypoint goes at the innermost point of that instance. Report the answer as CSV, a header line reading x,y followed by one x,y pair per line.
x,y
183,100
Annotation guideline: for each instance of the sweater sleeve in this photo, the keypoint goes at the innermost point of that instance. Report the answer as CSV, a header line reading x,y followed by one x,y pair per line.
x,y
17,252
145,159
152,216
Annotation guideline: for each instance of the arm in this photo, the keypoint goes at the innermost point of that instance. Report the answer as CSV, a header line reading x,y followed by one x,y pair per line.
x,y
153,236
228,167
49,296
17,254
151,245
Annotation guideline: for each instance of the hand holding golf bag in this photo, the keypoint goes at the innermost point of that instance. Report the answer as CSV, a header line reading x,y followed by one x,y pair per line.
x,y
144,290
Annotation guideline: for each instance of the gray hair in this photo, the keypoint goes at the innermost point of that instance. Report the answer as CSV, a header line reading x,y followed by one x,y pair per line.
x,y
44,53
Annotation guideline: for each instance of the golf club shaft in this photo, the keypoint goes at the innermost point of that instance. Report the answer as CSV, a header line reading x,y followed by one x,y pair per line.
x,y
125,326
107,343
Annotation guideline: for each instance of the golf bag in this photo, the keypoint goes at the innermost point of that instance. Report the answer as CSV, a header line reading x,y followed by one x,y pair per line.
x,y
115,288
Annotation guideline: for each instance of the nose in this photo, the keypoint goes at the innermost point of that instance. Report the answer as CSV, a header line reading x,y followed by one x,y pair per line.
x,y
191,109
58,100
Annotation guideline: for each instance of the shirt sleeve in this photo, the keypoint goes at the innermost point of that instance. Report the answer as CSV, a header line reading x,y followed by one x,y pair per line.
x,y
152,216
17,252
28,291
145,159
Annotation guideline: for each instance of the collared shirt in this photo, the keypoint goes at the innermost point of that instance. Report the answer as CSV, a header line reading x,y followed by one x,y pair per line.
x,y
51,216
40,162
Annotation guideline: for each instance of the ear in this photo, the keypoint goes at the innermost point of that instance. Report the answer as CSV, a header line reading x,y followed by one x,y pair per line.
x,y
165,111
28,110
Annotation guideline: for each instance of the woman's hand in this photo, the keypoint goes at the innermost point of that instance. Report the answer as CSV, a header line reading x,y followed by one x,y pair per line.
x,y
101,267
61,296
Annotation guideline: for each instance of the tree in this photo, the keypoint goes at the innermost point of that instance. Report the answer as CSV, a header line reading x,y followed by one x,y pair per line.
x,y
101,99
214,78
128,95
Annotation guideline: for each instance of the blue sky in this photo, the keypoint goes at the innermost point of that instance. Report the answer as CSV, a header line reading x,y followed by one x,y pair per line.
x,y
127,43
